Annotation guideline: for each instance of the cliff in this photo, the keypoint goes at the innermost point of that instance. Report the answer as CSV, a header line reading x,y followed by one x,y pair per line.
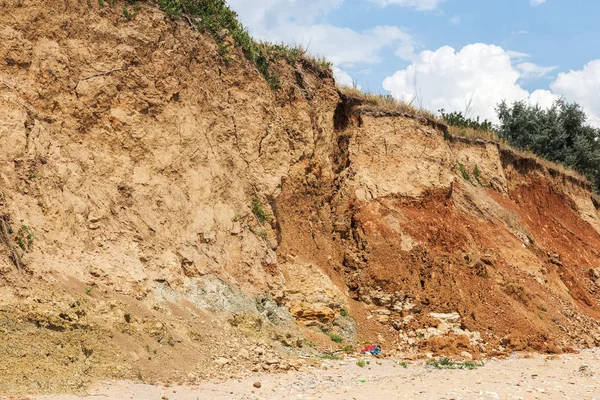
x,y
167,215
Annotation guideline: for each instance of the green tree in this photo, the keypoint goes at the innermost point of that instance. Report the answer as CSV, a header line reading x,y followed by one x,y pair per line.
x,y
558,134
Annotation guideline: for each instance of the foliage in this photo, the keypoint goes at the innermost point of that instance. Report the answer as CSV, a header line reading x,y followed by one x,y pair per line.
x,y
131,15
217,19
259,211
361,363
328,356
25,238
344,312
465,173
477,174
335,338
457,119
558,134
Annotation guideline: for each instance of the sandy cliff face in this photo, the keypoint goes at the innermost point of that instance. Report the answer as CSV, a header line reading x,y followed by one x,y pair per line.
x,y
133,161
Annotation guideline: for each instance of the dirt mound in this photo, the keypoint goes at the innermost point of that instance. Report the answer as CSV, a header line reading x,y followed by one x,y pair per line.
x,y
168,216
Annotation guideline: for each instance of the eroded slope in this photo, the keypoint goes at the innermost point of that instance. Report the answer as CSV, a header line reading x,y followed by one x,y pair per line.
x,y
168,216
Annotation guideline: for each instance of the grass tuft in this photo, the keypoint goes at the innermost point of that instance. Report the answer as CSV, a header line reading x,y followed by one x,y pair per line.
x,y
221,22
335,338
385,103
465,174
259,211
446,363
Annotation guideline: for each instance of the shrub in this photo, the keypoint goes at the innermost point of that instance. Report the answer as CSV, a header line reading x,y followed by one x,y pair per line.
x,y
558,134
335,338
457,119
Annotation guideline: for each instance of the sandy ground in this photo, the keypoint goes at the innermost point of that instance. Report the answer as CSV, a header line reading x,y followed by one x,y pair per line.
x,y
574,376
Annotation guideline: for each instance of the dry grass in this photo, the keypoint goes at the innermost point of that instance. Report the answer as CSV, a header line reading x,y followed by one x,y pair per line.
x,y
385,103
546,163
473,133
388,104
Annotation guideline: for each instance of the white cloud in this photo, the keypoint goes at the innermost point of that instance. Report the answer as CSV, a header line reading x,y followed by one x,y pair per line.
x,y
270,13
479,74
342,78
582,87
295,21
455,20
344,45
530,70
516,55
536,2
543,98
422,5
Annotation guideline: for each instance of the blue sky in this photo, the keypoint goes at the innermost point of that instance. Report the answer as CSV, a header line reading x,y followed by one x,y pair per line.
x,y
461,55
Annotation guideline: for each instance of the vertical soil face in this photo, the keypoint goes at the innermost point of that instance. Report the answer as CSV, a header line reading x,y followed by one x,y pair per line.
x,y
505,249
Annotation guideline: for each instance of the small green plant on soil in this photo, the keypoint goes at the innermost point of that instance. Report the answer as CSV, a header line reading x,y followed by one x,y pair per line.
x,y
259,211
89,289
217,19
446,363
348,349
129,15
465,174
344,312
328,356
477,174
404,364
335,338
25,238
361,363
261,234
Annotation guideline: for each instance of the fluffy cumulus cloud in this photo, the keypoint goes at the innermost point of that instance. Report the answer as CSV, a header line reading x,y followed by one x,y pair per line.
x,y
583,87
342,77
344,45
473,79
300,22
531,70
268,14
423,5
